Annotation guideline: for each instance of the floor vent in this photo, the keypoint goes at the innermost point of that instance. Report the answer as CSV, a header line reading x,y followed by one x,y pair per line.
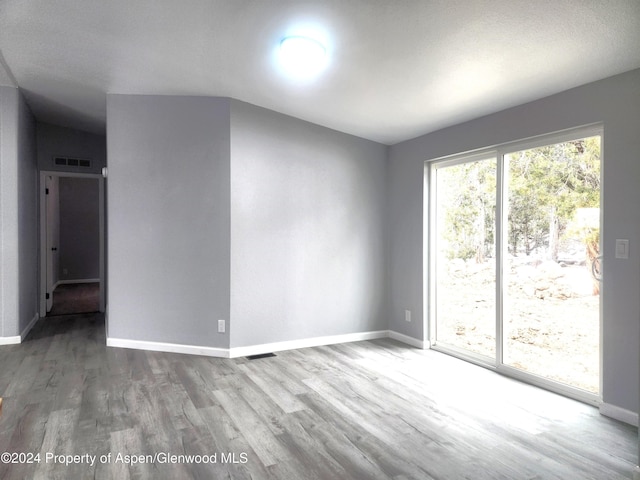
x,y
262,355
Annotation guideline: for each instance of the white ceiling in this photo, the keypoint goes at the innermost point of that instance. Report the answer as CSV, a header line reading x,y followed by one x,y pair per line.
x,y
398,68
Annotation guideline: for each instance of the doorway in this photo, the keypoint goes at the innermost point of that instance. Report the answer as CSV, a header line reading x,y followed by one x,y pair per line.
x,y
71,243
514,260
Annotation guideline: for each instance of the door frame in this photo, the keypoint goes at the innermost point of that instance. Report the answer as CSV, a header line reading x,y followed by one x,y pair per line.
x,y
429,272
51,225
42,302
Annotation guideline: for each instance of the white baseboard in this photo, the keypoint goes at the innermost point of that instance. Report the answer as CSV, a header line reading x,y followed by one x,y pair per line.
x,y
617,413
305,343
20,338
73,282
168,347
235,352
80,280
414,342
10,340
28,328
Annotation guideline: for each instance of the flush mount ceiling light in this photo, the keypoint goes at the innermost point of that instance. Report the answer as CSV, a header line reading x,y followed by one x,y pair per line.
x,y
302,57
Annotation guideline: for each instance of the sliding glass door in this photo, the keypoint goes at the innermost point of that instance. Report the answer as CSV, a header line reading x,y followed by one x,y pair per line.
x,y
515,263
552,292
465,300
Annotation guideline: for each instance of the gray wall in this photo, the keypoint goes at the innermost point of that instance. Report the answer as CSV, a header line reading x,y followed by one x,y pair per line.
x,y
168,223
18,214
616,103
54,141
28,240
79,244
307,230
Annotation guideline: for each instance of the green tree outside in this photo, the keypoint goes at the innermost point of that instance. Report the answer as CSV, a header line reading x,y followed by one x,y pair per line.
x,y
546,187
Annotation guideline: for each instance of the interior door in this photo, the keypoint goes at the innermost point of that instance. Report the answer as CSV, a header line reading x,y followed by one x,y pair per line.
x,y
52,235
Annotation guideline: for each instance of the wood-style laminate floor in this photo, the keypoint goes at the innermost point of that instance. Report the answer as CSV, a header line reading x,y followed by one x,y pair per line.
x,y
365,410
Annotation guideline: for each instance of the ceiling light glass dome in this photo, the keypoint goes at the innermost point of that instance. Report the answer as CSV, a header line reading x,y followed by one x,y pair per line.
x,y
302,57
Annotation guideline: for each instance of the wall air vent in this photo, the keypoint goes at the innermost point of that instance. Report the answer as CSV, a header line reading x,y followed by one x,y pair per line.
x,y
71,162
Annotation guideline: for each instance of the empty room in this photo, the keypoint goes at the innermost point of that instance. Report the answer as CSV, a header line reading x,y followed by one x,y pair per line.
x,y
319,239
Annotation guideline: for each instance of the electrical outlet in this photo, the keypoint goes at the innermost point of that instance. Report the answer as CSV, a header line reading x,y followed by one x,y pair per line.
x,y
622,248
407,315
221,326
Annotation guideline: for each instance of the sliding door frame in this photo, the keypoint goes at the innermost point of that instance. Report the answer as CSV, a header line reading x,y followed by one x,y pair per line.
x,y
431,169
430,326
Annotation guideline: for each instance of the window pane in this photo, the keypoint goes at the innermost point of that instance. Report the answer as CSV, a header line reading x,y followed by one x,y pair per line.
x,y
465,256
552,312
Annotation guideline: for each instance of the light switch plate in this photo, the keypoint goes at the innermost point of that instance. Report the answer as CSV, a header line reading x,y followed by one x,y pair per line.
x,y
622,248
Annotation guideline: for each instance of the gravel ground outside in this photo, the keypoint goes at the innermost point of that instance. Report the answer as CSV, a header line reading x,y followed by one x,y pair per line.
x,y
552,319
